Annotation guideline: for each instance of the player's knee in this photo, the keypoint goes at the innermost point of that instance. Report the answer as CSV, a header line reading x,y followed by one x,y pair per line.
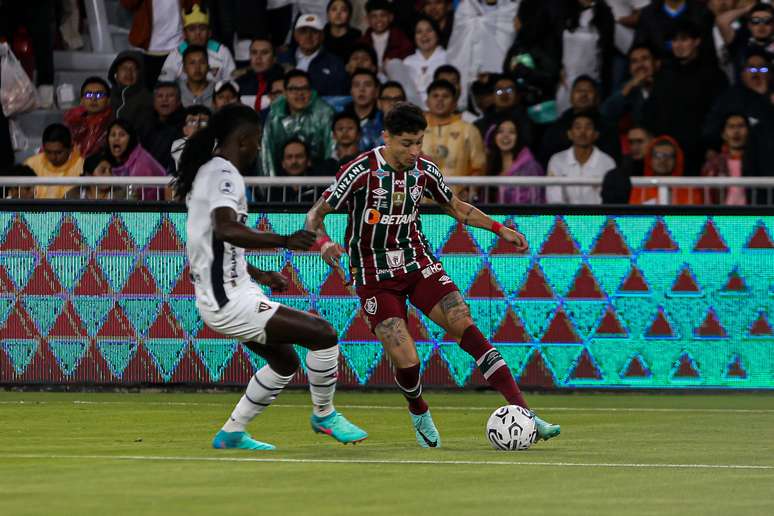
x,y
285,362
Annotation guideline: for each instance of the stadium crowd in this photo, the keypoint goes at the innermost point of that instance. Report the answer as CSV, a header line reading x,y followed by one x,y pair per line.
x,y
611,89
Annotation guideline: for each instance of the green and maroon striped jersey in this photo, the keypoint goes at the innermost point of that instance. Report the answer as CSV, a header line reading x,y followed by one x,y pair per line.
x,y
384,234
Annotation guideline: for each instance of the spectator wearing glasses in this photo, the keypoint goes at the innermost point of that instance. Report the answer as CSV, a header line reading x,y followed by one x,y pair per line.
x,y
506,105
301,113
664,158
58,159
339,36
257,79
756,32
390,93
196,88
729,162
196,118
88,122
326,71
617,185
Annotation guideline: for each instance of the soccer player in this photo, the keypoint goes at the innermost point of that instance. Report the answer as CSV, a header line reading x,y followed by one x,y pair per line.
x,y
210,181
391,260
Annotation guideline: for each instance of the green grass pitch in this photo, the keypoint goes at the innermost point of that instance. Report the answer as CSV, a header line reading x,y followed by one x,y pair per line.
x,y
627,454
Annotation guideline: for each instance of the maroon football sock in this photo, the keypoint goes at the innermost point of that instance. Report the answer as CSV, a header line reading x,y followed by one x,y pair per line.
x,y
410,385
491,364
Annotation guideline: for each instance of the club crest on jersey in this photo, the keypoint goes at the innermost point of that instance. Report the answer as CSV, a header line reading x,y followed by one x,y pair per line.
x,y
372,217
395,258
226,186
262,307
416,193
371,306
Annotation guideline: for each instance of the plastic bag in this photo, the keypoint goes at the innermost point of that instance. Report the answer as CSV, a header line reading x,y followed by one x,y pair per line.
x,y
19,140
17,93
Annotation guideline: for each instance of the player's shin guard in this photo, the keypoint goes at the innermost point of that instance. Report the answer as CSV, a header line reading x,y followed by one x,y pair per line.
x,y
410,384
491,364
322,369
264,387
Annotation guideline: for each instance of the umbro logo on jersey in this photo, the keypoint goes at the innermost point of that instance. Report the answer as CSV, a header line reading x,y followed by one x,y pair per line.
x,y
262,307
380,192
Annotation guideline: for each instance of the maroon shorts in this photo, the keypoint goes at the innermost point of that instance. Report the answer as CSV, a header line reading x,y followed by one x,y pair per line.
x,y
387,298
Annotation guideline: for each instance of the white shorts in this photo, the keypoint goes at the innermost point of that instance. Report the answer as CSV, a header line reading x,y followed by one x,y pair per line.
x,y
245,315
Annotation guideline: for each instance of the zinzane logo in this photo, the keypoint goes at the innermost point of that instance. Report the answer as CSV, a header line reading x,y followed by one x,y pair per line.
x,y
350,176
431,269
371,306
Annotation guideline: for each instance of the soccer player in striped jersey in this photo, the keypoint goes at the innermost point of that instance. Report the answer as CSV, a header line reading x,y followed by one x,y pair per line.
x,y
391,260
229,300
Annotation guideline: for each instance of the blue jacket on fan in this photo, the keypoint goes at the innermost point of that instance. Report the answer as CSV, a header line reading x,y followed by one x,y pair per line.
x,y
329,78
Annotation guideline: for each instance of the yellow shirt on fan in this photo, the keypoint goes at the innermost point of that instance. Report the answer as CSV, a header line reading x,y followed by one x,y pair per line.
x,y
43,168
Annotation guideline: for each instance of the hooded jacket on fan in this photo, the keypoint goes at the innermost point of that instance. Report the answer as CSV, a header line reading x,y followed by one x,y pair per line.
x,y
680,195
131,103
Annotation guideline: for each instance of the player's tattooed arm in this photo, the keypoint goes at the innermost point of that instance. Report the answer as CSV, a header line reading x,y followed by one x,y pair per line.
x,y
471,216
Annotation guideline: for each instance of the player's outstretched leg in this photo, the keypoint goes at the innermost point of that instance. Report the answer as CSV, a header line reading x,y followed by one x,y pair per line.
x,y
322,364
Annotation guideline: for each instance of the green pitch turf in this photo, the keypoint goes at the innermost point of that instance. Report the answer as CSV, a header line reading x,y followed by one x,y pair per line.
x,y
626,454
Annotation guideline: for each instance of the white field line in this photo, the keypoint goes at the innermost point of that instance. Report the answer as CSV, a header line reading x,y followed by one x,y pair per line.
x,y
162,458
393,407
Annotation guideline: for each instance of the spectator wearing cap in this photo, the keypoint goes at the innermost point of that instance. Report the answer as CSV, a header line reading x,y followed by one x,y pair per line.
x,y
166,124
339,36
301,113
659,20
96,165
729,162
683,92
756,33
88,122
506,105
196,29
326,71
58,159
365,94
129,99
629,101
428,56
263,70
582,160
196,88
387,41
226,92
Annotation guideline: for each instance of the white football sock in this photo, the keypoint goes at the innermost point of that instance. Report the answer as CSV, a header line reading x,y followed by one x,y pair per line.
x,y
264,387
322,369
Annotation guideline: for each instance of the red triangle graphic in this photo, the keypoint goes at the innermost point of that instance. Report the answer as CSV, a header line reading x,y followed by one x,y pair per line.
x,y
6,284
610,241
711,326
559,241
686,369
760,239
295,287
190,368
511,329
416,327
18,325
165,238
761,327
660,327
359,329
18,238
238,370
184,287
116,238
610,325
436,372
585,285
460,241
117,325
69,238
735,283
710,239
634,282
485,285
636,369
93,282
68,324
536,373
43,281
205,332
561,330
335,285
735,369
165,326
141,369
140,282
536,286
659,239
585,368
685,282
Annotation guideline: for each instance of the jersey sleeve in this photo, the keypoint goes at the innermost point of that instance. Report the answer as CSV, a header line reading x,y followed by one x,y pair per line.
x,y
226,190
350,179
436,188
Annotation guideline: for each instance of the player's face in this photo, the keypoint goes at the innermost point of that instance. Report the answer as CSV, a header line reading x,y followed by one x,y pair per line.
x,y
405,148
249,143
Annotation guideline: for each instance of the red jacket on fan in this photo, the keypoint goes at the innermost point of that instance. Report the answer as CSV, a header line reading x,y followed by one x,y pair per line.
x,y
142,22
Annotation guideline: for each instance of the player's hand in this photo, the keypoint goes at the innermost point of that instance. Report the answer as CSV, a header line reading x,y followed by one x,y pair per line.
x,y
331,253
301,240
275,281
516,238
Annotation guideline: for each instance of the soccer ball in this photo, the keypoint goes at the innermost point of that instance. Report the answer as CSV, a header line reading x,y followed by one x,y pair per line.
x,y
511,428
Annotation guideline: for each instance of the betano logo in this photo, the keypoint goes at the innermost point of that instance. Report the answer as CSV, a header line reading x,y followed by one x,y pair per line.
x,y
372,216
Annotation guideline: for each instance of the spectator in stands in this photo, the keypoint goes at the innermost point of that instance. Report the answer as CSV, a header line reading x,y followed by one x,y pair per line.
x,y
339,36
617,185
128,97
196,118
428,56
298,113
507,105
626,14
659,21
226,92
630,99
346,134
326,71
718,8
729,162
387,41
88,122
683,92
196,29
442,13
166,124
257,79
20,192
129,159
96,165
584,97
755,34
195,88
582,160
295,162
453,144
362,56
507,155
664,158
276,91
365,94
750,98
390,93
58,159
157,29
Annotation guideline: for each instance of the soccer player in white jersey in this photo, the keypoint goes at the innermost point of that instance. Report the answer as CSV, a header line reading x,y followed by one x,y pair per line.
x,y
391,261
229,301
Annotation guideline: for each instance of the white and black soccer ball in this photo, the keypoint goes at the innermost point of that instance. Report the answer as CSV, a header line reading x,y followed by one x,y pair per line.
x,y
511,428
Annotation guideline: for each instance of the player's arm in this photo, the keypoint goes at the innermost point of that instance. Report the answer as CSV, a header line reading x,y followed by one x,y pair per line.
x,y
273,280
227,228
471,216
315,222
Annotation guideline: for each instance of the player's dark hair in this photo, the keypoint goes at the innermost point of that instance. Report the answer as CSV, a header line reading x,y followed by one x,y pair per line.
x,y
405,117
58,133
200,147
